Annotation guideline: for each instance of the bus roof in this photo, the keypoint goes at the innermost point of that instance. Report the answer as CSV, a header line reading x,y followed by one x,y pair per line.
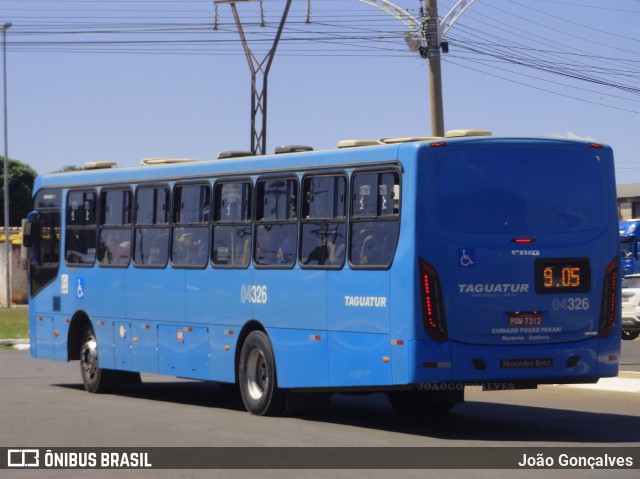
x,y
163,169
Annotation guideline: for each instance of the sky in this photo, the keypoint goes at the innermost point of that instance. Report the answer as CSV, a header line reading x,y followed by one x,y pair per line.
x,y
121,80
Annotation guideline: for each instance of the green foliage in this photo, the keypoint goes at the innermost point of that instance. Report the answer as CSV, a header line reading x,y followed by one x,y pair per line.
x,y
21,178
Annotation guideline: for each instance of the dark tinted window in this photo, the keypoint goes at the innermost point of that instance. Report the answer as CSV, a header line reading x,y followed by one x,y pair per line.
x,y
152,227
276,225
191,212
232,228
375,211
80,233
114,248
324,227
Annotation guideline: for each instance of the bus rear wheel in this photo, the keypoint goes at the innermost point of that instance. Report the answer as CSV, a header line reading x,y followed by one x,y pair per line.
x,y
95,379
257,376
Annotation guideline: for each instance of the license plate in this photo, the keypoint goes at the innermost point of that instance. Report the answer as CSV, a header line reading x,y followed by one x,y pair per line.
x,y
525,318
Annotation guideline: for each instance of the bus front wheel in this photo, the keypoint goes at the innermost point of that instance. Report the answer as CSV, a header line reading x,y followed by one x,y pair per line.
x,y
95,379
257,377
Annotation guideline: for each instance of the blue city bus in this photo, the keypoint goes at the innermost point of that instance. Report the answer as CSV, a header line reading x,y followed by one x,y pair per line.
x,y
629,254
408,267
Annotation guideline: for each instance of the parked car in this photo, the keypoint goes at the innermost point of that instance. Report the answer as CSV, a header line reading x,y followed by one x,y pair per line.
x,y
631,307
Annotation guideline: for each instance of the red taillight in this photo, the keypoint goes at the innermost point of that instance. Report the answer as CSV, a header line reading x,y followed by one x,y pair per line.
x,y
595,145
432,308
438,144
522,240
609,300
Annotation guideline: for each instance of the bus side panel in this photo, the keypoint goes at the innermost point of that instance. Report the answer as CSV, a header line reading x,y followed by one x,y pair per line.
x,y
359,359
144,337
42,332
103,291
104,329
276,304
358,301
215,296
301,357
184,351
123,345
157,295
222,345
60,337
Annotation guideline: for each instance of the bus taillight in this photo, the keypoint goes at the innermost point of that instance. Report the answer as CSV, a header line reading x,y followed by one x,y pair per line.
x,y
432,306
609,300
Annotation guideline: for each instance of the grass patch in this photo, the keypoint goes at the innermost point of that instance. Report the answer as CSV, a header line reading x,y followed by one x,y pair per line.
x,y
14,323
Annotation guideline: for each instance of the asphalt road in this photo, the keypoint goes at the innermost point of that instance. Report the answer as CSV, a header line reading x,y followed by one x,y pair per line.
x,y
43,404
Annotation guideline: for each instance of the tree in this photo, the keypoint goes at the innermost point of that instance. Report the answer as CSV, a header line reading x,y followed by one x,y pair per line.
x,y
21,178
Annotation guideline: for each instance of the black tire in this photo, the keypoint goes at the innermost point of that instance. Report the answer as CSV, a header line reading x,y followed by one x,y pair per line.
x,y
425,402
257,377
95,379
630,335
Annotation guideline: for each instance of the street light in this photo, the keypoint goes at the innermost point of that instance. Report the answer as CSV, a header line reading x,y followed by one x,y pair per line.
x,y
4,29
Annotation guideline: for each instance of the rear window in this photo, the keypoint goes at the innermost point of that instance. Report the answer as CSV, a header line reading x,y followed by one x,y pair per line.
x,y
517,191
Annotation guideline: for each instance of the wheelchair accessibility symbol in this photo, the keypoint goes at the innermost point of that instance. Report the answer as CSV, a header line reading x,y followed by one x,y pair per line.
x,y
80,288
466,257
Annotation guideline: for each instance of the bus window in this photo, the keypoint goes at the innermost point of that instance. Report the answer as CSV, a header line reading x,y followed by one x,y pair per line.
x,y
80,242
324,226
375,214
114,248
191,211
232,225
45,256
276,222
151,227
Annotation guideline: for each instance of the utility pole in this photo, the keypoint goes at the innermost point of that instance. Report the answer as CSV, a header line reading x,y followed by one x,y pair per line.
x,y
258,68
427,36
4,29
435,70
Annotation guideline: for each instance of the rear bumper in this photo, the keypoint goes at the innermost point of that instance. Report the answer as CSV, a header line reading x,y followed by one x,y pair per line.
x,y
579,362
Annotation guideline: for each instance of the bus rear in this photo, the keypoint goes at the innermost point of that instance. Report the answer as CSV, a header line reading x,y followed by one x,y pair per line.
x,y
518,258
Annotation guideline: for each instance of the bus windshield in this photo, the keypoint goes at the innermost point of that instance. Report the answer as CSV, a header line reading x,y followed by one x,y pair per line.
x,y
487,191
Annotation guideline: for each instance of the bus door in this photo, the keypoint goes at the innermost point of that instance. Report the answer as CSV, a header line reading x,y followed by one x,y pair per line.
x,y
42,236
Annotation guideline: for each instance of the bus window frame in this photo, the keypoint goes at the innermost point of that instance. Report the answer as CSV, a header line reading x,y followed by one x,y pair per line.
x,y
94,226
398,218
173,224
343,220
124,226
261,223
167,225
248,224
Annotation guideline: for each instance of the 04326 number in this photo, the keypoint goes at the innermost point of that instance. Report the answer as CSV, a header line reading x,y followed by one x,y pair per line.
x,y
254,293
570,304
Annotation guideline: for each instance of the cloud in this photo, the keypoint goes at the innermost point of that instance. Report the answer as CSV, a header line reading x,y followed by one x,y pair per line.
x,y
571,136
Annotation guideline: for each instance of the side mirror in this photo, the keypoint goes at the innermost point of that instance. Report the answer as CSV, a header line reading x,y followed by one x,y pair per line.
x,y
29,229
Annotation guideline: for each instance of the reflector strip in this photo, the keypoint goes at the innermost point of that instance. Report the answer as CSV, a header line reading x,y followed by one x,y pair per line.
x,y
436,365
397,342
315,337
228,332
